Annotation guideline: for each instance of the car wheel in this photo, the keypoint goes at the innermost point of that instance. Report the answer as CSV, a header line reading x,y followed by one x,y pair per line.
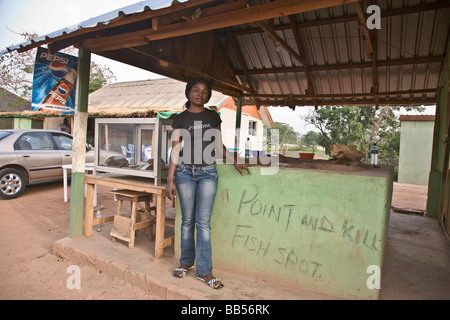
x,y
12,183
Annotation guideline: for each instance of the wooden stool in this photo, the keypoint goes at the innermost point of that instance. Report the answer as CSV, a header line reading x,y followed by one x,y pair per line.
x,y
125,227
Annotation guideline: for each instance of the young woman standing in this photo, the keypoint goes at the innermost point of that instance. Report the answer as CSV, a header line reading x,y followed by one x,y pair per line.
x,y
192,172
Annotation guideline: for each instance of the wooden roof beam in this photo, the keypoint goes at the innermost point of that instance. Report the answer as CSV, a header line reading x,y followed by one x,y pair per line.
x,y
353,102
66,40
341,95
341,66
240,58
166,60
328,21
299,44
366,36
193,13
159,67
369,39
160,24
225,17
278,40
294,54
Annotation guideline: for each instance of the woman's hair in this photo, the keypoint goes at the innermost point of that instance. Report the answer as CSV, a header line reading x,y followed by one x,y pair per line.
x,y
193,82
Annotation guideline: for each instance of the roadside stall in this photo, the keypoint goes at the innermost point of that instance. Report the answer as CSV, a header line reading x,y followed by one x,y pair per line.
x,y
315,226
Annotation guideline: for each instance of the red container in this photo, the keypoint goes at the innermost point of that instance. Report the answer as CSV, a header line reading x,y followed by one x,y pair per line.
x,y
306,155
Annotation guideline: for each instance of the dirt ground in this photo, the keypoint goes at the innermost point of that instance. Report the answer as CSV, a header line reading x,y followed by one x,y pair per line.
x,y
31,224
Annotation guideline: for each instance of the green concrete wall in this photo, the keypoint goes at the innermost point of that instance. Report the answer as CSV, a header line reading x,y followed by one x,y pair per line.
x,y
22,123
310,229
416,146
436,185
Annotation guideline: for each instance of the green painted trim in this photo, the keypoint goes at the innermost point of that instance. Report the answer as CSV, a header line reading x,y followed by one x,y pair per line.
x,y
436,184
434,192
76,205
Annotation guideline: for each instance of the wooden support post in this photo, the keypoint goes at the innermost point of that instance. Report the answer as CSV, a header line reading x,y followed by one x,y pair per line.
x,y
79,145
89,220
160,225
238,121
440,156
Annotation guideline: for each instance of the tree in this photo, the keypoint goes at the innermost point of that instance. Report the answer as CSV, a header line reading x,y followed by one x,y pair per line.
x,y
336,124
100,75
285,135
16,71
389,151
310,139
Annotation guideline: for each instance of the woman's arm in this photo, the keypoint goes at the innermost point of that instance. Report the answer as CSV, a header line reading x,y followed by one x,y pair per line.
x,y
174,156
229,157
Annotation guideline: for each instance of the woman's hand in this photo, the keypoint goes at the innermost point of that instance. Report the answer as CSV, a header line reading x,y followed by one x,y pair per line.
x,y
241,166
229,157
171,190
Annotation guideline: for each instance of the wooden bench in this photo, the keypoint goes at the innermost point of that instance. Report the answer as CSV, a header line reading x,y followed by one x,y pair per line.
x,y
125,227
134,184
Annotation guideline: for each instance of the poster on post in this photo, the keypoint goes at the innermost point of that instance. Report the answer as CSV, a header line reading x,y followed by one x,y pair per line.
x,y
54,82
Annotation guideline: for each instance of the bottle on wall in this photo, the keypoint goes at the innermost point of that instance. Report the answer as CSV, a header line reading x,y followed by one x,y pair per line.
x,y
98,215
247,148
374,155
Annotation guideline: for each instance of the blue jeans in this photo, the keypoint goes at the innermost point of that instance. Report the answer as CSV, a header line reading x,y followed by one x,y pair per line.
x,y
196,187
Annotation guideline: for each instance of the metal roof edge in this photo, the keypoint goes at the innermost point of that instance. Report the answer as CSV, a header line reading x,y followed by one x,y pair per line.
x,y
105,19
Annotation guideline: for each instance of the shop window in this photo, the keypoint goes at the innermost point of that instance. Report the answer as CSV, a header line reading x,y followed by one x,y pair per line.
x,y
252,125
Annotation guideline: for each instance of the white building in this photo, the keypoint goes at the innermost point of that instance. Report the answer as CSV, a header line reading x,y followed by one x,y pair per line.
x,y
253,122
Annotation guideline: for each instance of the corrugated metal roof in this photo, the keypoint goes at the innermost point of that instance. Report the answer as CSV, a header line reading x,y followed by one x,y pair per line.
x,y
103,19
330,40
317,54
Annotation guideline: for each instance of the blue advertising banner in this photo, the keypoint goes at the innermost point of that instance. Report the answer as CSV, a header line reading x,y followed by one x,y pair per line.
x,y
54,82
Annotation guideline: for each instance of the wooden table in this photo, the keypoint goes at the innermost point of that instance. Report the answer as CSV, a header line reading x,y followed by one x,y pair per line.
x,y
128,183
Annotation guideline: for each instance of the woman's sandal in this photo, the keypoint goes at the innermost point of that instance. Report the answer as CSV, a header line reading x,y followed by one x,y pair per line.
x,y
181,271
214,283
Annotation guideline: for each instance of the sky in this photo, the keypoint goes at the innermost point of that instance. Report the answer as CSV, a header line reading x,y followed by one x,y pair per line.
x,y
46,16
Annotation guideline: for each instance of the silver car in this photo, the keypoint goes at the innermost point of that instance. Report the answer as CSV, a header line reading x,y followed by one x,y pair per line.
x,y
34,155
